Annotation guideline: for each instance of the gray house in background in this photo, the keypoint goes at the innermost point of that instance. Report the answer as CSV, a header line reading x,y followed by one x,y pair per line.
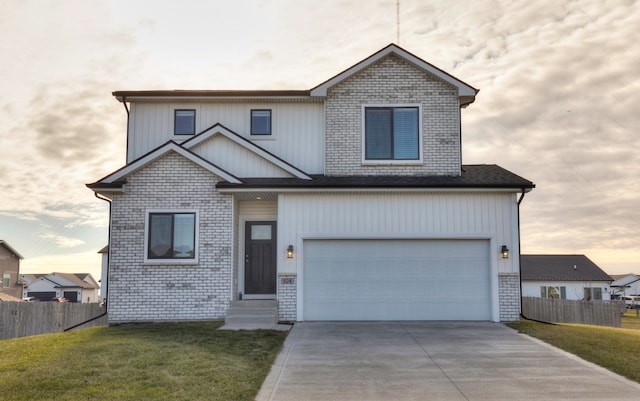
x,y
564,276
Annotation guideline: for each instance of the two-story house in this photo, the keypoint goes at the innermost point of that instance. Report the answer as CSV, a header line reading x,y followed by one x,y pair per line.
x,y
348,201
10,270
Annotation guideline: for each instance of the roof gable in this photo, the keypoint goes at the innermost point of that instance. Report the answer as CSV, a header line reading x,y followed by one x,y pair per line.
x,y
561,268
260,154
625,280
117,177
466,93
10,249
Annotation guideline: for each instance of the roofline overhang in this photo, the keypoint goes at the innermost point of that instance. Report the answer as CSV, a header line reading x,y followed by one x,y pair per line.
x,y
332,189
216,95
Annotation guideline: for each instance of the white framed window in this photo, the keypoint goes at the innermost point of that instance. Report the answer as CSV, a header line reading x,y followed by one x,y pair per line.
x,y
592,294
553,292
261,122
171,236
6,280
392,134
184,122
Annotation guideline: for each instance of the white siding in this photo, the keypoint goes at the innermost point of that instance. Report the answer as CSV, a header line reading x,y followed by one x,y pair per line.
x,y
435,215
575,289
298,128
236,159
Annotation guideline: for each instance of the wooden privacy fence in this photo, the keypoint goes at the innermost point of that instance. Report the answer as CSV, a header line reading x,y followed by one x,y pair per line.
x,y
601,313
21,319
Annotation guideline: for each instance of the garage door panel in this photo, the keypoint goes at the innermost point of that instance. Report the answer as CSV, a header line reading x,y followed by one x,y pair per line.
x,y
396,280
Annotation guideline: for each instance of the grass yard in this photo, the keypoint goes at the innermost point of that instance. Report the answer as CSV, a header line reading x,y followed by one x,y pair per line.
x,y
169,361
631,320
615,349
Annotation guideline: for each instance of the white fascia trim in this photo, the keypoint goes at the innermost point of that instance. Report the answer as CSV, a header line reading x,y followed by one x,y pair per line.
x,y
463,89
161,151
249,146
370,190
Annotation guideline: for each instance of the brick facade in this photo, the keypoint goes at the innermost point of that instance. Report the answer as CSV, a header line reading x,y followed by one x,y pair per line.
x,y
287,297
389,81
141,291
509,296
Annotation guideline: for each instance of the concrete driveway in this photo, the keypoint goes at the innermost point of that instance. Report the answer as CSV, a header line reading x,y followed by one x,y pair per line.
x,y
432,361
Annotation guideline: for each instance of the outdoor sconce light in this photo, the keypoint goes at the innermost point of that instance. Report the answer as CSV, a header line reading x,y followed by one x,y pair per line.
x,y
505,252
290,252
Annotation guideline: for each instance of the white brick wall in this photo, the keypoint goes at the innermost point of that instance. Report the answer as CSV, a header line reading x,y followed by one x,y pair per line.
x,y
509,295
152,292
287,297
393,80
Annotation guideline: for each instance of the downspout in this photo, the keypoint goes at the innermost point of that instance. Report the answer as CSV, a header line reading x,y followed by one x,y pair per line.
x,y
460,139
520,263
106,295
124,103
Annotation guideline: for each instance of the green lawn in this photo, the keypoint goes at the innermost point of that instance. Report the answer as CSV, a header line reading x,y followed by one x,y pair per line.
x,y
631,320
615,349
169,361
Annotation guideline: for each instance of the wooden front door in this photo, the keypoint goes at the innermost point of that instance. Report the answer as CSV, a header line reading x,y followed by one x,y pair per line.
x,y
260,257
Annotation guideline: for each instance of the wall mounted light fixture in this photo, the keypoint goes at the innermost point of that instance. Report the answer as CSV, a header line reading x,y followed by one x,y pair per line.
x,y
290,251
505,252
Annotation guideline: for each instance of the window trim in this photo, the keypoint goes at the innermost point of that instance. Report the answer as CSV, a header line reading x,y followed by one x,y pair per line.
x,y
270,134
415,162
170,261
6,279
175,122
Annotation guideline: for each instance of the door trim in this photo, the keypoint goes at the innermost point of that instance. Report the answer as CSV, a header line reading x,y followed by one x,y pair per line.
x,y
274,238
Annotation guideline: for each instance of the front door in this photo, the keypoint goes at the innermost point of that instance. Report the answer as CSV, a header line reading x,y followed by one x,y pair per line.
x,y
260,257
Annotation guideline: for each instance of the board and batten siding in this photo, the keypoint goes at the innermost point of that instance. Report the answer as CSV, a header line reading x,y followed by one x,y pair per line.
x,y
297,128
237,159
472,215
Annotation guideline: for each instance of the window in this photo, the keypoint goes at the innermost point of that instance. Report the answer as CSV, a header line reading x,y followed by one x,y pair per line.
x,y
171,236
6,280
184,122
260,122
392,133
593,294
553,292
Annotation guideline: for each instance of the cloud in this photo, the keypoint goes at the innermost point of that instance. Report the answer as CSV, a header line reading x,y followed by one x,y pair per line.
x,y
62,241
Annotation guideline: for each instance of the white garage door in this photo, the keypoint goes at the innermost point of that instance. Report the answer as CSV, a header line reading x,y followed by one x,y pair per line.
x,y
396,280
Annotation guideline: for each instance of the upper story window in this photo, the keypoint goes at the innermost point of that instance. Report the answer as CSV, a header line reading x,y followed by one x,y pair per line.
x,y
184,122
6,280
171,235
392,133
260,122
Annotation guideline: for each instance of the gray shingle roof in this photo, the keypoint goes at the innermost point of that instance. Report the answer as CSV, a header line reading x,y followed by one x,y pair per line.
x,y
561,268
473,176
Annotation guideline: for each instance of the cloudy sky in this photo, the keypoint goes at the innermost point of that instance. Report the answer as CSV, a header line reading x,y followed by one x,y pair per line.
x,y
557,105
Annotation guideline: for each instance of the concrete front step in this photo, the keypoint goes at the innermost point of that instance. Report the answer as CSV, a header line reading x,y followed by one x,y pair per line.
x,y
251,315
253,319
255,303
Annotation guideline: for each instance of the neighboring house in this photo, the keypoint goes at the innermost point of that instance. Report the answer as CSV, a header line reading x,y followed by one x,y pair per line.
x,y
76,287
625,284
564,276
8,298
104,273
9,270
347,201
